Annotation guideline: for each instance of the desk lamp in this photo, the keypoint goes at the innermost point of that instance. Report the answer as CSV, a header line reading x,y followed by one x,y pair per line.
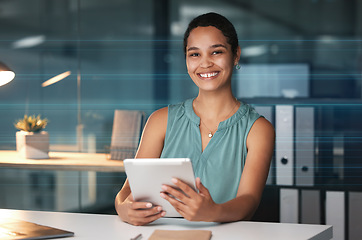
x,y
6,74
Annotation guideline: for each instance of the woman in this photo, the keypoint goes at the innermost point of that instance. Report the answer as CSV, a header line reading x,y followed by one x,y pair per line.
x,y
230,145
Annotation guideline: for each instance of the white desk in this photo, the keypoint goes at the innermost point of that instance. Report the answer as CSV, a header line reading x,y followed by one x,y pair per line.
x,y
67,161
94,226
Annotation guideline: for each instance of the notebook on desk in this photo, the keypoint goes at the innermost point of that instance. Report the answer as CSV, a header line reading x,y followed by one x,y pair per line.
x,y
18,229
160,234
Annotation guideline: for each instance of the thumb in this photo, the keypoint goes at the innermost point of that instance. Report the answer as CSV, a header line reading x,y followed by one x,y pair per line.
x,y
130,197
202,189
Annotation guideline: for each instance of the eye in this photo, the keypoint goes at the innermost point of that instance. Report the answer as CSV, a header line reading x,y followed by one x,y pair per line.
x,y
194,55
217,52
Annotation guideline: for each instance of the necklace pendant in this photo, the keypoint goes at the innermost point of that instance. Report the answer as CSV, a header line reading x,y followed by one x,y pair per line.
x,y
210,135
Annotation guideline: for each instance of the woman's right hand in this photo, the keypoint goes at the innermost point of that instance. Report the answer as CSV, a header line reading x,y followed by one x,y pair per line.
x,y
139,213
151,145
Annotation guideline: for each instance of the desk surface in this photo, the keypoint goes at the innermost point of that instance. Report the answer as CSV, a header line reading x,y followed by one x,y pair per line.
x,y
68,161
94,226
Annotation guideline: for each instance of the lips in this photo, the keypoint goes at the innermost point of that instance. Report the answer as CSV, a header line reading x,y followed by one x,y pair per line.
x,y
208,75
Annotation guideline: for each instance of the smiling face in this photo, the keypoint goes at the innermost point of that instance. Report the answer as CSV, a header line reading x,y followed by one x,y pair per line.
x,y
209,59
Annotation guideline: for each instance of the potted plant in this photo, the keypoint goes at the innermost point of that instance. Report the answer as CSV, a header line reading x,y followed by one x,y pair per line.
x,y
31,141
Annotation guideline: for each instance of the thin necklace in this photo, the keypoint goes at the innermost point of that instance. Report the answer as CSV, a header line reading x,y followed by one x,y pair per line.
x,y
210,135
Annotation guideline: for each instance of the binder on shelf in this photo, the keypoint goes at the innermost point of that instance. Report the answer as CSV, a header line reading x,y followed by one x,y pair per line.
x,y
284,147
335,215
354,215
304,146
289,205
267,112
310,207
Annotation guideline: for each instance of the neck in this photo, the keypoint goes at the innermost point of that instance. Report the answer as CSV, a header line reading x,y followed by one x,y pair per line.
x,y
215,106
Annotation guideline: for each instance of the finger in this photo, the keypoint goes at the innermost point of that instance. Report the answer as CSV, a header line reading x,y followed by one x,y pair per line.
x,y
156,216
138,221
144,213
202,189
176,193
184,187
174,202
141,205
130,197
199,185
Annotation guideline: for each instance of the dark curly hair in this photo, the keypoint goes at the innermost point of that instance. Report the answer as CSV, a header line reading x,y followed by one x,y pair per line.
x,y
218,21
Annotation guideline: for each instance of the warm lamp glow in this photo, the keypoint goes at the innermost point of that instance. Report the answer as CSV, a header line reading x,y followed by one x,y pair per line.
x,y
6,75
55,79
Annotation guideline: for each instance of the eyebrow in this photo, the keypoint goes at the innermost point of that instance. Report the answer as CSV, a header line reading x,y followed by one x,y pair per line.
x,y
213,46
218,45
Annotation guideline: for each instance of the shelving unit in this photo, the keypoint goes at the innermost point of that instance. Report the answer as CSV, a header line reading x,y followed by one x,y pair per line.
x,y
326,186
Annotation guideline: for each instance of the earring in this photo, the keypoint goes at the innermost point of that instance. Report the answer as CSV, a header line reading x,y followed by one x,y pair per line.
x,y
237,66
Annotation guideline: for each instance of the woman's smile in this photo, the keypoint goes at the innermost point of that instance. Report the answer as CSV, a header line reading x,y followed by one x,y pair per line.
x,y
208,75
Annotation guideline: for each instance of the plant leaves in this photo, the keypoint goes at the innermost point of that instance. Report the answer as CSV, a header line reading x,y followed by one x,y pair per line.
x,y
31,123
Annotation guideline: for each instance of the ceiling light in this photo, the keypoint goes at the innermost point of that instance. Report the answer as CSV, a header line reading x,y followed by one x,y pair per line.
x,y
56,79
6,74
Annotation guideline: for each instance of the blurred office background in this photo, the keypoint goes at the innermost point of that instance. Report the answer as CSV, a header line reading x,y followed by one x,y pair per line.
x,y
125,54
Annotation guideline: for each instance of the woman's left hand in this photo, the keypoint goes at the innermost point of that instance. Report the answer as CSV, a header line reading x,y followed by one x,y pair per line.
x,y
191,205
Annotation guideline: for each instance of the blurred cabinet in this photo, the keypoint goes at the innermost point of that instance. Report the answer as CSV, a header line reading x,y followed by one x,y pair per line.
x,y
321,142
77,182
354,215
63,191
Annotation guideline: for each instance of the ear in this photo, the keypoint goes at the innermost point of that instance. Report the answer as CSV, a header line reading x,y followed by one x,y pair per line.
x,y
237,57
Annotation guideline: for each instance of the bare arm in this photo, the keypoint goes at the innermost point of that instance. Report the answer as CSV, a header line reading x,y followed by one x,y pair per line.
x,y
150,146
260,144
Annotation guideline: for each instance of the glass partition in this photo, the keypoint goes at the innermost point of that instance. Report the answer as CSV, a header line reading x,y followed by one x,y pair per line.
x,y
128,55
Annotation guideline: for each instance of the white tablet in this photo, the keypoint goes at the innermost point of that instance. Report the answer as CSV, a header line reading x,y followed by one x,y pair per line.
x,y
146,177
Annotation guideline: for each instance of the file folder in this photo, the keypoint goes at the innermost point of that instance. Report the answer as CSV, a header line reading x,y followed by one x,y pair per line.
x,y
304,146
354,215
289,205
335,215
284,147
310,207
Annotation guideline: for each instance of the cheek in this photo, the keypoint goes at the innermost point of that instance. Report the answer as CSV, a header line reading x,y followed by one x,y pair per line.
x,y
225,63
190,66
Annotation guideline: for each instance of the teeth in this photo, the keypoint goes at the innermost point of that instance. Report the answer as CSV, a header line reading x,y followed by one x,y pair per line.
x,y
207,75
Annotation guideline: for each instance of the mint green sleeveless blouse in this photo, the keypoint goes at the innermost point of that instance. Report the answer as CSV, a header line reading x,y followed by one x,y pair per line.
x,y
221,163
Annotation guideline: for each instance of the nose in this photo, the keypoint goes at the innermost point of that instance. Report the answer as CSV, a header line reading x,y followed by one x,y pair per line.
x,y
206,62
